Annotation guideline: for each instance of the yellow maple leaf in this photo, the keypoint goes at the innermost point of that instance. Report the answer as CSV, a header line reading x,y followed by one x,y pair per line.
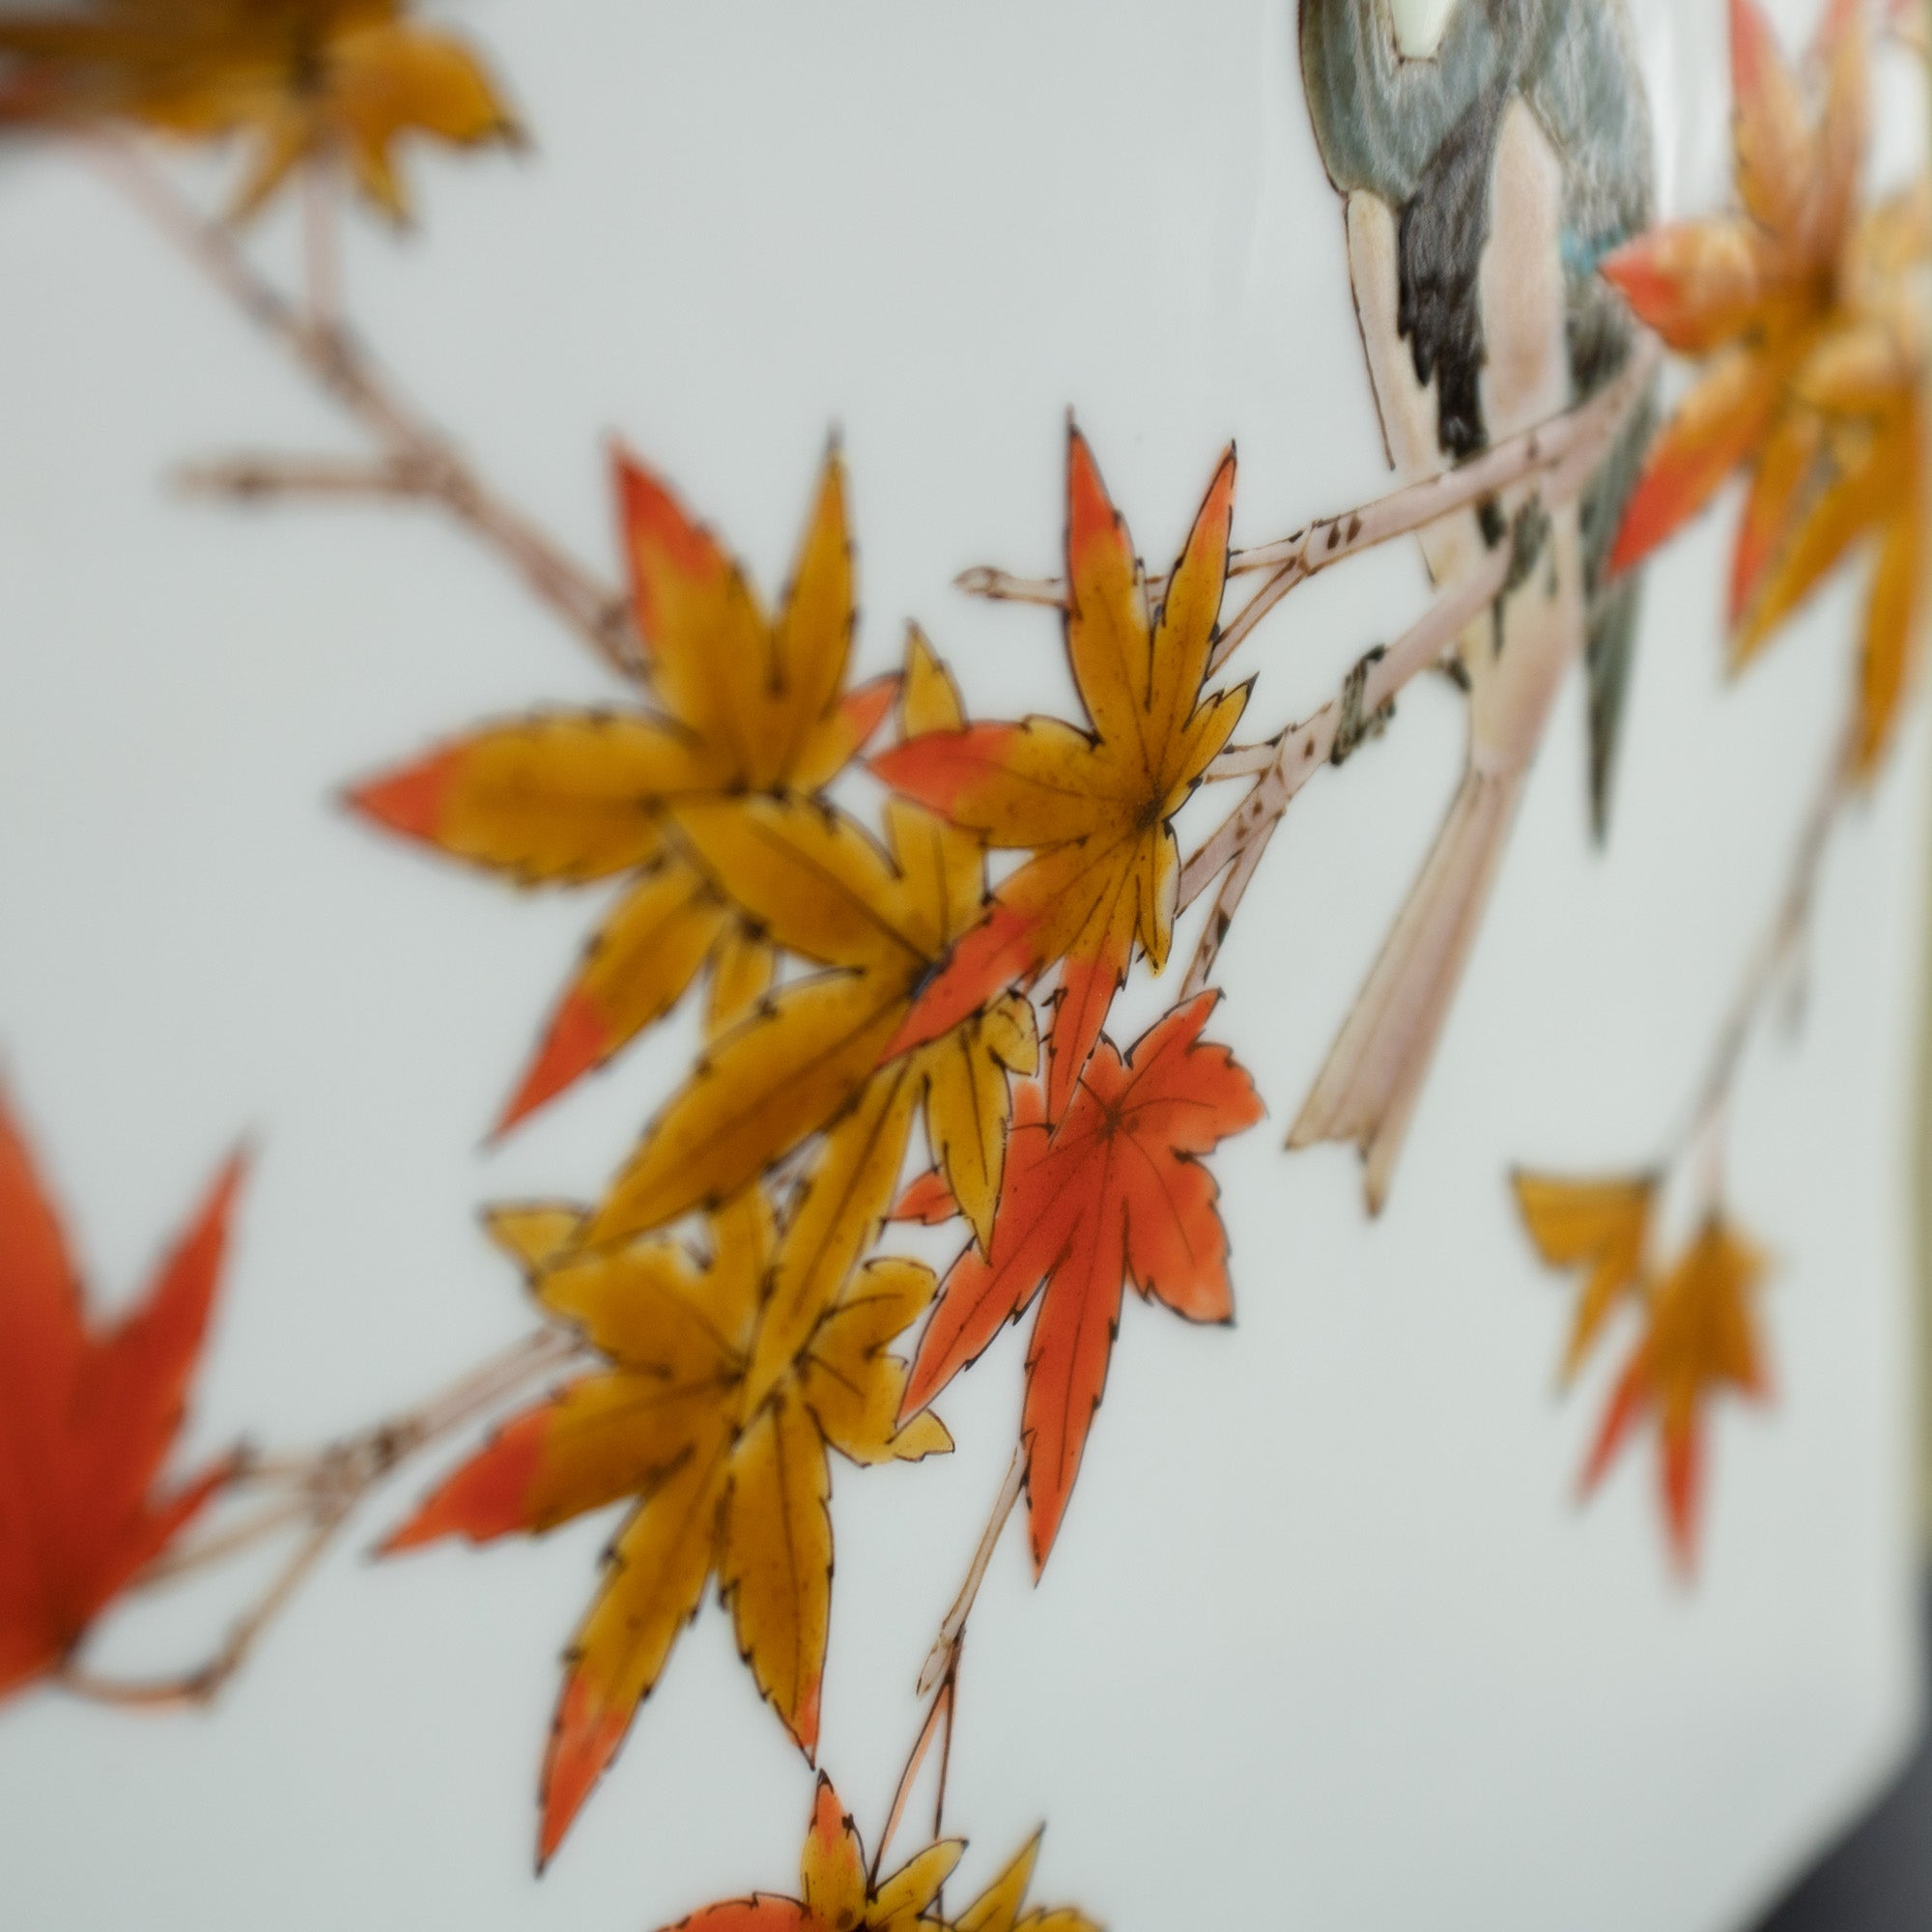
x,y
877,916
726,1477
1092,806
301,80
1602,1226
749,707
835,1893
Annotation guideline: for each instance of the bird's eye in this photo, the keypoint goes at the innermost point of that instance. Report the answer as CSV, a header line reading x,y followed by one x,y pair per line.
x,y
1419,26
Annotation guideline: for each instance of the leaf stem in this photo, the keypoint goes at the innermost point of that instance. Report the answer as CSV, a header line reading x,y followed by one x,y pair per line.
x,y
199,1688
939,1675
322,242
939,1711
1783,936
943,1653
325,1487
329,353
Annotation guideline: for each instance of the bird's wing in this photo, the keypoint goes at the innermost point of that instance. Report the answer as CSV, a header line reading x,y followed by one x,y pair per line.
x,y
1587,88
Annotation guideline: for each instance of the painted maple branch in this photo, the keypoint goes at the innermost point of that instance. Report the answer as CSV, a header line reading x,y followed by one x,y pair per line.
x,y
939,1675
1782,938
321,1491
322,242
251,478
1563,455
938,1716
329,354
1329,737
954,1630
1568,447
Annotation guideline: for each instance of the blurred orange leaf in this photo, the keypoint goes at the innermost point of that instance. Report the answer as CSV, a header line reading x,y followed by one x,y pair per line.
x,y
1750,290
87,1418
1700,1337
1813,336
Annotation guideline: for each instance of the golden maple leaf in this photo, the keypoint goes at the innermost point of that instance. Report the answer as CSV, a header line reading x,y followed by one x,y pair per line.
x,y
1769,298
727,1475
877,917
1700,1337
1602,1226
751,707
301,80
1852,454
1699,1316
1092,806
835,1893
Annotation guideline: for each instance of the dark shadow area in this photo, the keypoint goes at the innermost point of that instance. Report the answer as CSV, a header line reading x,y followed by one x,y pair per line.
x,y
1878,1877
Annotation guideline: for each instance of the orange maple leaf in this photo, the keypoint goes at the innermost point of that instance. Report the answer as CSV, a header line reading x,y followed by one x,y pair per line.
x,y
1116,1192
1750,291
835,1894
751,708
1855,433
1699,1334
301,79
1092,806
1813,336
87,1418
1700,1337
725,1468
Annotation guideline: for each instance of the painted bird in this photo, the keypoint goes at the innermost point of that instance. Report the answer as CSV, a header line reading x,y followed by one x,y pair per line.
x,y
1491,152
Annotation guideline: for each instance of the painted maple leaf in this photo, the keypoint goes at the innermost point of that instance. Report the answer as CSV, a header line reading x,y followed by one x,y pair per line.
x,y
1699,1334
1750,291
87,1419
1093,805
835,1894
1117,1192
877,916
751,708
1700,1338
1601,1226
300,80
1855,453
724,1468
1802,307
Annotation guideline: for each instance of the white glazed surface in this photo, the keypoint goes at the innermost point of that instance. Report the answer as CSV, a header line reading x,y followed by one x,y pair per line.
x,y
1324,1642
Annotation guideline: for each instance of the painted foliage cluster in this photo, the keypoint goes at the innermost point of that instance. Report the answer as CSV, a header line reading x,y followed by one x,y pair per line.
x,y
908,986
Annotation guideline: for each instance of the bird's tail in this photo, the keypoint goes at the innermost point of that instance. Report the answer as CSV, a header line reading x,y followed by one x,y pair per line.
x,y
1369,1086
